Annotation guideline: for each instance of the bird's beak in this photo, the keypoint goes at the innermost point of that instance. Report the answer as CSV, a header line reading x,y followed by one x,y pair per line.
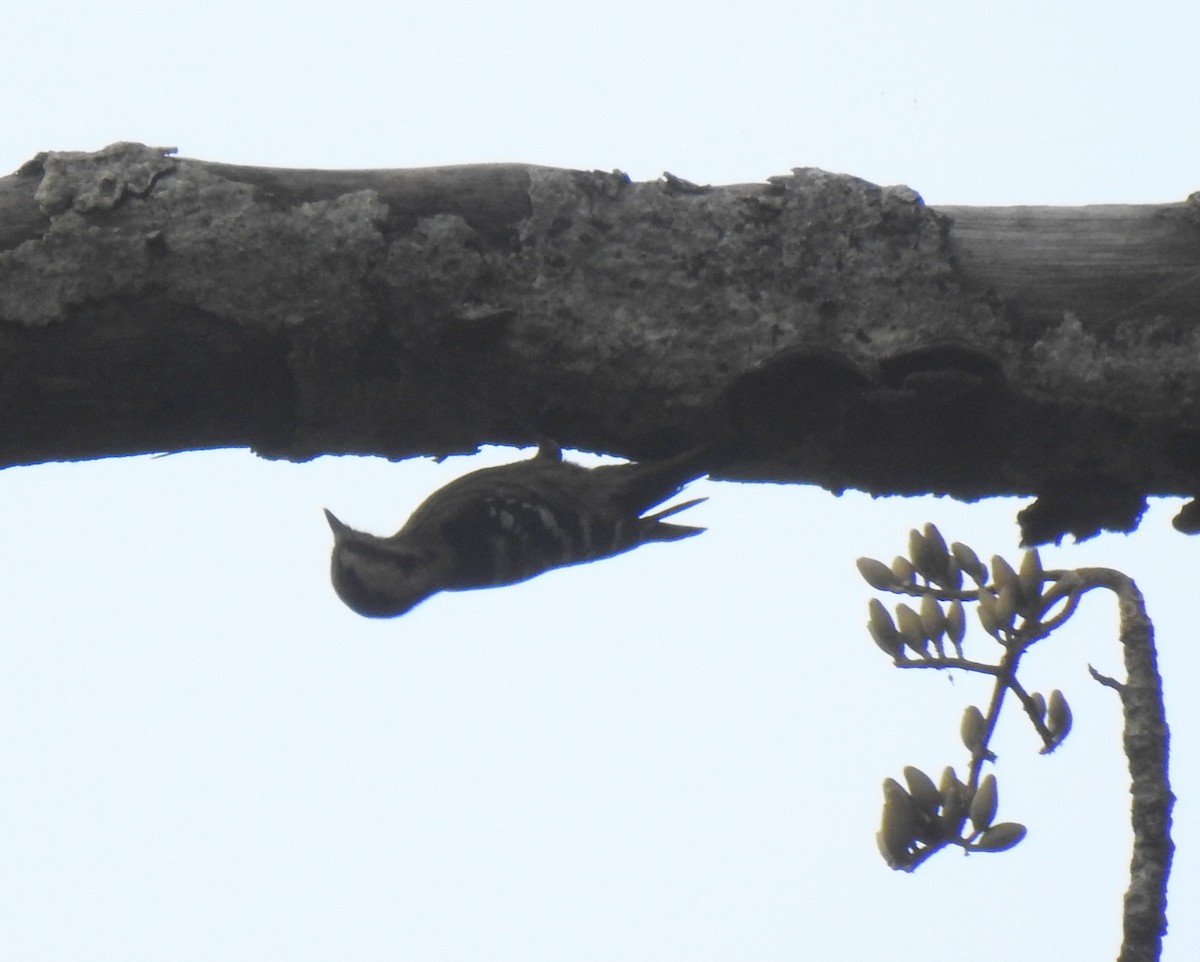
x,y
338,527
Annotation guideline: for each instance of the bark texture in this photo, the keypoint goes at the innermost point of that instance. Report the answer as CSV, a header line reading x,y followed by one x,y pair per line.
x,y
1147,743
844,333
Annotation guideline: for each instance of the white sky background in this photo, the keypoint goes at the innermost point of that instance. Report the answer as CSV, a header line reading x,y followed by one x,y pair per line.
x,y
673,755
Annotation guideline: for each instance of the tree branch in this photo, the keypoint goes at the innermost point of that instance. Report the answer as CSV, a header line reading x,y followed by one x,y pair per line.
x,y
849,335
1147,748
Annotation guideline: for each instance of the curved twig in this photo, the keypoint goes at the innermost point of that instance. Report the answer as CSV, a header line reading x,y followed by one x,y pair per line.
x,y
1147,743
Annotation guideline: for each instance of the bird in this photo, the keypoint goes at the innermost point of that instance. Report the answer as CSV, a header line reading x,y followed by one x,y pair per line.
x,y
502,525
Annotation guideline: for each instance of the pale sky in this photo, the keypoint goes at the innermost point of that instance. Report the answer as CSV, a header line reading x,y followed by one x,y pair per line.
x,y
672,755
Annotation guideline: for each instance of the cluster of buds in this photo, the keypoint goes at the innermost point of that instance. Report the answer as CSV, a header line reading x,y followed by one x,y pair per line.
x,y
1016,607
933,571
926,817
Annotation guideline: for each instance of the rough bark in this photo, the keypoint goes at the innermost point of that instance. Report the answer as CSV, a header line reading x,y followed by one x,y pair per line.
x,y
1147,749
849,335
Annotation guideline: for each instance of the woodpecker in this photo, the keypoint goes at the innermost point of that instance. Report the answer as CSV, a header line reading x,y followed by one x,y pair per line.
x,y
498,526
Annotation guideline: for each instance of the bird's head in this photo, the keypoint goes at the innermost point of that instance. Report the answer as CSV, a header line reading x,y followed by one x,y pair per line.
x,y
377,577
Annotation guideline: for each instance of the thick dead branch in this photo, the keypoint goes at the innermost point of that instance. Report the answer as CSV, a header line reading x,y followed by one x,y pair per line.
x,y
851,336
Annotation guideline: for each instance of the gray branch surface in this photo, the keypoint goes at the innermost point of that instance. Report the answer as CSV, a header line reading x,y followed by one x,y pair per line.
x,y
1147,751
843,333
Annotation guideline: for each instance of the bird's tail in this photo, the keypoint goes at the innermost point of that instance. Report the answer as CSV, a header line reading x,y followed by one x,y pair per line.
x,y
643,484
653,528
